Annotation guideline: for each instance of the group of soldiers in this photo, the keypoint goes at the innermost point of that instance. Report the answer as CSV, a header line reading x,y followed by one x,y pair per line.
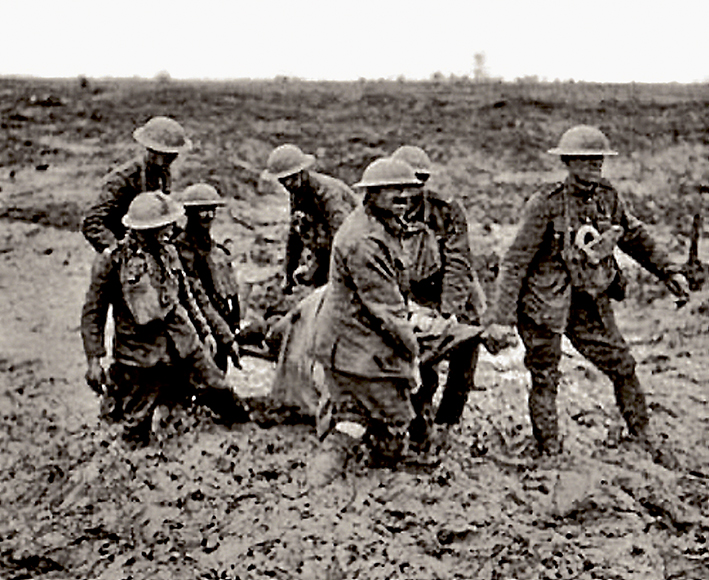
x,y
389,290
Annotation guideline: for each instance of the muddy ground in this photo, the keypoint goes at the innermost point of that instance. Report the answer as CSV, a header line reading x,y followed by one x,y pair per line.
x,y
210,502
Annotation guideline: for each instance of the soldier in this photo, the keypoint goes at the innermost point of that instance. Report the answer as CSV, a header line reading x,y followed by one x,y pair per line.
x,y
209,269
164,139
318,206
363,337
157,348
559,275
441,278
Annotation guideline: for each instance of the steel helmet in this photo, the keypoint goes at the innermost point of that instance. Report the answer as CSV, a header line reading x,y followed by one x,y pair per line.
x,y
199,195
583,141
287,160
414,156
152,209
388,171
163,135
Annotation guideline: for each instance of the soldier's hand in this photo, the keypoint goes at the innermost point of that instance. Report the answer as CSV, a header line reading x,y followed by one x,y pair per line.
x,y
678,285
498,337
235,354
211,344
95,375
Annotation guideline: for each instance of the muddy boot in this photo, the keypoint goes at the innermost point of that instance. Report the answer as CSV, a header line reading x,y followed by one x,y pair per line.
x,y
658,450
631,402
330,462
226,406
387,445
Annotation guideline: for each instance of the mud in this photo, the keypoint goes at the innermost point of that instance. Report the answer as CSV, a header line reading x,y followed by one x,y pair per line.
x,y
208,502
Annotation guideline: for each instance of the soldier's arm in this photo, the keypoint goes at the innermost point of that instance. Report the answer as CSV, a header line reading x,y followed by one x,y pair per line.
x,y
217,325
527,241
639,244
97,225
337,204
457,263
95,309
294,247
374,274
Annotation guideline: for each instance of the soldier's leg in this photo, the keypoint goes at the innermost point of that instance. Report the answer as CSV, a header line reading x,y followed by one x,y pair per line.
x,y
422,402
460,381
388,404
140,388
208,380
542,357
593,332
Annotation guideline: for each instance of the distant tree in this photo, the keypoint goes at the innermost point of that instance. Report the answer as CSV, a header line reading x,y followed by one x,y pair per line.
x,y
480,70
438,77
163,77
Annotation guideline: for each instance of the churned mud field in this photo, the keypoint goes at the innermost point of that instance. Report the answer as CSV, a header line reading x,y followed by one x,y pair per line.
x,y
208,502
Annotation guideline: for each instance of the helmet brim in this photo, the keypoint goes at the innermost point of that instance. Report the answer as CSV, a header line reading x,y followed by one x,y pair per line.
x,y
383,183
307,161
145,140
205,203
582,153
157,223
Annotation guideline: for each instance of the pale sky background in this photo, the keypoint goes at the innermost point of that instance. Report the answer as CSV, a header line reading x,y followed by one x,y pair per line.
x,y
603,40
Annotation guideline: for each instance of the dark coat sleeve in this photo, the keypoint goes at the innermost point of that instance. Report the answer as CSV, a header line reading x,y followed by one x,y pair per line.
x,y
95,309
102,226
457,262
640,245
518,258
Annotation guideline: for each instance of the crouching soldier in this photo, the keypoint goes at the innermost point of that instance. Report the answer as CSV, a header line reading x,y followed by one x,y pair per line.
x,y
209,270
442,279
158,355
559,276
363,338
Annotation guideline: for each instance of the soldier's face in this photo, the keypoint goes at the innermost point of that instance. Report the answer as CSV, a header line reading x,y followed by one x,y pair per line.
x,y
204,216
292,182
586,169
396,200
157,236
163,160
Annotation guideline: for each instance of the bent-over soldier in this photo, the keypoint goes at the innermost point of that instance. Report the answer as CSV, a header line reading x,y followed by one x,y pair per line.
x,y
164,139
363,338
318,206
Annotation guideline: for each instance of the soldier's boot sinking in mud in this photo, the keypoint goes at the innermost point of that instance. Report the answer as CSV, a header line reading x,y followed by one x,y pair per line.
x,y
631,402
213,391
338,448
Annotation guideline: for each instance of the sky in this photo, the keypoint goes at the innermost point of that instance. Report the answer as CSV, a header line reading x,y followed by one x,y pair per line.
x,y
602,41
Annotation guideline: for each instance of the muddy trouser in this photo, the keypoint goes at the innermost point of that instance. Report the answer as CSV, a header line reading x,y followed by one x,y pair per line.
x,y
382,405
140,390
459,383
592,330
211,390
